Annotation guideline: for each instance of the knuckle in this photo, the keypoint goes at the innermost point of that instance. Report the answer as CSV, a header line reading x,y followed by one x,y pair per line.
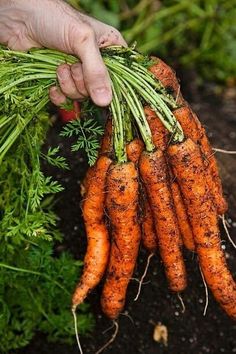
x,y
86,33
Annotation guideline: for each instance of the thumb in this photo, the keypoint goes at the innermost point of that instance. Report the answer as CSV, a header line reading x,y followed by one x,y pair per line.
x,y
96,77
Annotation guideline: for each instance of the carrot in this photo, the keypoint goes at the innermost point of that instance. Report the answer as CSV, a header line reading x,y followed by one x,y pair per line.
x,y
167,76
188,123
149,236
183,220
106,141
122,209
105,147
189,169
193,129
86,181
97,253
154,173
160,139
160,134
211,163
134,150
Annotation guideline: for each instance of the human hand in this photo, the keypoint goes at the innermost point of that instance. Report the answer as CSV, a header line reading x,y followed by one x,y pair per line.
x,y
25,24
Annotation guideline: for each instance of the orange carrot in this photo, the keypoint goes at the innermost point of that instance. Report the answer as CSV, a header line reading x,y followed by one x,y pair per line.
x,y
106,141
185,118
167,77
105,147
160,135
160,139
122,209
86,181
154,173
149,238
134,150
193,129
188,166
211,164
97,253
183,220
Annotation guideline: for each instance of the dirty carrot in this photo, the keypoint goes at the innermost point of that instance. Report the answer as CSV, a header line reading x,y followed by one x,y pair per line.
x,y
106,141
98,246
122,210
211,164
154,173
182,216
188,166
193,129
134,150
149,236
160,135
167,77
105,147
188,123
161,139
86,181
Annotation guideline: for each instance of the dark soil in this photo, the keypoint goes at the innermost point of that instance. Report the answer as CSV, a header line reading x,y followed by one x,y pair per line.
x,y
189,331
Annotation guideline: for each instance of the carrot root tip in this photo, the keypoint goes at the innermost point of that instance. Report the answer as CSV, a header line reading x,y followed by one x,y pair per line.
x,y
206,292
143,276
223,151
115,323
76,329
224,222
181,302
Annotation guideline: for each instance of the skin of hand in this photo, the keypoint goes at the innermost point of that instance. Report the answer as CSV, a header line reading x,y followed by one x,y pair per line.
x,y
54,24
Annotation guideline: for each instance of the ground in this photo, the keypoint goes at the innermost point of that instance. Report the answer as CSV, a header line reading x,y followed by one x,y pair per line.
x,y
189,331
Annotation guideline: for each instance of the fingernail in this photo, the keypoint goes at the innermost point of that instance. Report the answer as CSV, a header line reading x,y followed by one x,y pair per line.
x,y
102,96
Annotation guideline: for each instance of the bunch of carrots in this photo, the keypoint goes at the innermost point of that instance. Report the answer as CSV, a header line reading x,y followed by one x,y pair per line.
x,y
155,180
155,183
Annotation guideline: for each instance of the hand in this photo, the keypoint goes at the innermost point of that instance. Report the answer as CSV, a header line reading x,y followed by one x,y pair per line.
x,y
54,24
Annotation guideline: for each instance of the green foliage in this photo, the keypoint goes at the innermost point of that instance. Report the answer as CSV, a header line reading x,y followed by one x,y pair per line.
x,y
87,131
35,285
199,34
35,290
52,159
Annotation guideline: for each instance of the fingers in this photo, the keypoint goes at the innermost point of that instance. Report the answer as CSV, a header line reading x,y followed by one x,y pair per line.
x,y
96,78
68,84
78,77
56,96
89,77
71,83
95,74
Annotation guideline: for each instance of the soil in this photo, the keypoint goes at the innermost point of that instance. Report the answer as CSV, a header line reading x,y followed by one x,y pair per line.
x,y
188,331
